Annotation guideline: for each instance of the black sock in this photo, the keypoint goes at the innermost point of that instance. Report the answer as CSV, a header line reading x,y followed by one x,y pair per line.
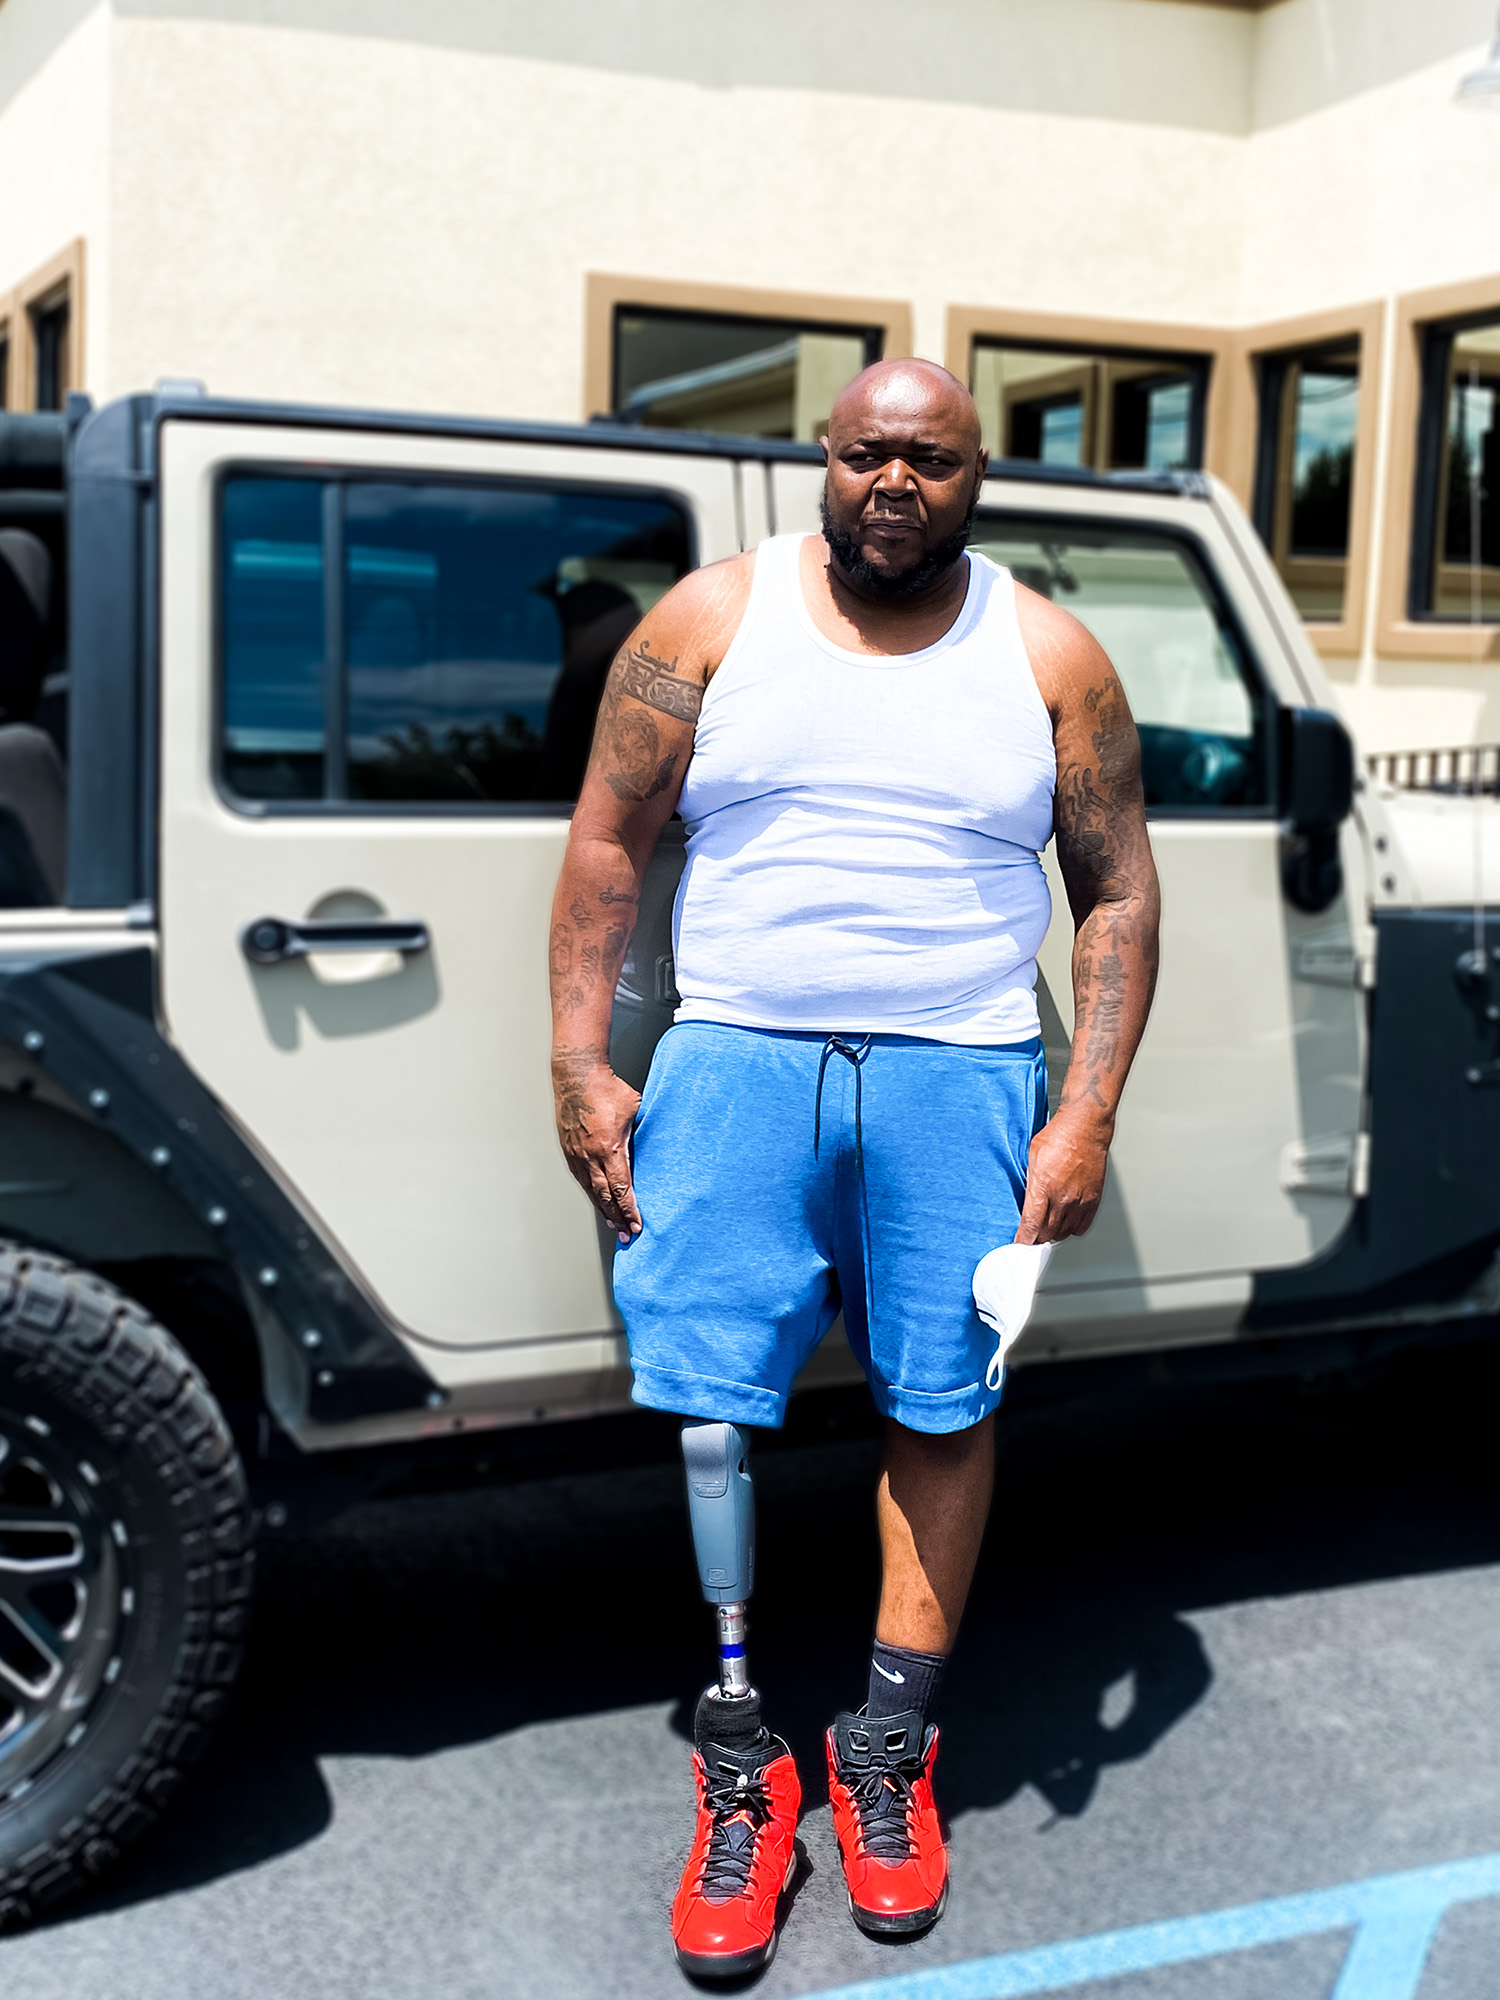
x,y
901,1679
734,1724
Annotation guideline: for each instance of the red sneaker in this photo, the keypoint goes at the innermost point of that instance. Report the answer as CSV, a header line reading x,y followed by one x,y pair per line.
x,y
880,1782
724,1918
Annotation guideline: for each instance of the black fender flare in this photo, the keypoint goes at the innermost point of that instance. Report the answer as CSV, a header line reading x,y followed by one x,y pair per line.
x,y
87,1018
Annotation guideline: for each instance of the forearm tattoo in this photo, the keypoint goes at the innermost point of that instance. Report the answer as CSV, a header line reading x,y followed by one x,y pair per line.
x,y
1101,849
581,955
570,1074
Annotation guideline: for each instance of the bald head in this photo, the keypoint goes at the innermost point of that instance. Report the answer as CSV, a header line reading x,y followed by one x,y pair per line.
x,y
908,393
905,465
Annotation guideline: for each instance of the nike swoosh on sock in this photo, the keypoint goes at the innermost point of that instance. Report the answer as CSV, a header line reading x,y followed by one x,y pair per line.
x,y
899,1679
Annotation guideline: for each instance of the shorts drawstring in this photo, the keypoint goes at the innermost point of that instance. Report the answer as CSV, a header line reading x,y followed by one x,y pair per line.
x,y
854,1054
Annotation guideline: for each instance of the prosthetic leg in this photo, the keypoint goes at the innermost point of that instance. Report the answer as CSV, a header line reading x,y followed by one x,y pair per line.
x,y
721,1508
744,1847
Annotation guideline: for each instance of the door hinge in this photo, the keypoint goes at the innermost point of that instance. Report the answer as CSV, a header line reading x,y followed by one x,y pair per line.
x,y
1338,1165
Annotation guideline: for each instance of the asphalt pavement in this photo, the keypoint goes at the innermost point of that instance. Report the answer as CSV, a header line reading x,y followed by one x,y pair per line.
x,y
1229,1647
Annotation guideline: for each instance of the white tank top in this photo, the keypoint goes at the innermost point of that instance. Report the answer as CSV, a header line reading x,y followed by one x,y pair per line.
x,y
864,830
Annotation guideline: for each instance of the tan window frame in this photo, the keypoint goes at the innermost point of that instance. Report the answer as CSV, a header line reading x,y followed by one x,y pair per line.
x,y
1120,337
1364,326
1398,635
605,291
61,277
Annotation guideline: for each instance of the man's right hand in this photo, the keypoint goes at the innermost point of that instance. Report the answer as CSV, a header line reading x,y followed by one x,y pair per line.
x,y
595,1116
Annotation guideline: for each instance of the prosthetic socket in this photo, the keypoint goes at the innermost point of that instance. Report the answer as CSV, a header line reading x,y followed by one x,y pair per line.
x,y
721,1507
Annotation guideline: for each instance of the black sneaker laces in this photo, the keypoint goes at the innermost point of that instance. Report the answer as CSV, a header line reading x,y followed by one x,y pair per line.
x,y
882,1795
740,1806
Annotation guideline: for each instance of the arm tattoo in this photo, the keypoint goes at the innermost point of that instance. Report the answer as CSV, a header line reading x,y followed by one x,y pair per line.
x,y
644,697
1099,805
640,770
570,1073
657,683
575,962
1100,828
627,742
568,994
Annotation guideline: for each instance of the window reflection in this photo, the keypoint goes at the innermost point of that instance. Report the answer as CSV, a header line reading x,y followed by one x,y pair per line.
x,y
1456,517
1469,531
1111,412
718,372
478,622
1195,700
1309,417
272,608
49,343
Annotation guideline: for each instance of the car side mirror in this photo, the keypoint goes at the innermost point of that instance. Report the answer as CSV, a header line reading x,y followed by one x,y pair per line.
x,y
1317,795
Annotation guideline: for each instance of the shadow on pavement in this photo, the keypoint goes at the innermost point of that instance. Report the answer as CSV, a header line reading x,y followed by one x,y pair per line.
x,y
415,1624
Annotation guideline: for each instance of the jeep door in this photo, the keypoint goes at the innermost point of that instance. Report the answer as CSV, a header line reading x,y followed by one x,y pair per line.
x,y
380,659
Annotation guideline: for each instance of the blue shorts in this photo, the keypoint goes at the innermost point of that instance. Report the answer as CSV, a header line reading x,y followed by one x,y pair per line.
x,y
779,1180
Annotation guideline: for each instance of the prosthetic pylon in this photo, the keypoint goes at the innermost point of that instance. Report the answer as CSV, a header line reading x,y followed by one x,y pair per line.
x,y
721,1507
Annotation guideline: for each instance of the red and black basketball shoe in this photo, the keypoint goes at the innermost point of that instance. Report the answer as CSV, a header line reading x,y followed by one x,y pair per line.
x,y
744,1855
880,1782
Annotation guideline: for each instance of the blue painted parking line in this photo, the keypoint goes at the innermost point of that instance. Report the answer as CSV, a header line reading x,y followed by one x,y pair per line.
x,y
1394,1919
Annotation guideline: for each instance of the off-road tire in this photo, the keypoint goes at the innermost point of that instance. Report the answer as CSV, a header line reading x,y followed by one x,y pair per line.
x,y
111,1448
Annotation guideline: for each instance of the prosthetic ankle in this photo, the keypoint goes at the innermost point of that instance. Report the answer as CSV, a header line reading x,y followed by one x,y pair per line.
x,y
721,1508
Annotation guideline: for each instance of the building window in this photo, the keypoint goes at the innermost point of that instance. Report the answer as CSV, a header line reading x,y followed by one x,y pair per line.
x,y
404,641
1110,410
41,334
1456,521
755,377
1304,477
49,346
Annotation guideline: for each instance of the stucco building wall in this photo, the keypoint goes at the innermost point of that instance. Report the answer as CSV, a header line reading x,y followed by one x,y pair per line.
x,y
397,202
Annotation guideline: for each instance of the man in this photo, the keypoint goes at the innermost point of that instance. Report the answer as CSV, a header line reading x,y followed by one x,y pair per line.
x,y
871,734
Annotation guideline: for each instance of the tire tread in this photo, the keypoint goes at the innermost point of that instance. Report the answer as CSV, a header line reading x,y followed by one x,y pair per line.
x,y
94,1348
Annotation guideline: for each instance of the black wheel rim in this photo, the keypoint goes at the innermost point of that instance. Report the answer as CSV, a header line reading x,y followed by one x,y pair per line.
x,y
62,1597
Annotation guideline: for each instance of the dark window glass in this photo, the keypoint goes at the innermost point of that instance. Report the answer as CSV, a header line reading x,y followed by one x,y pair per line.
x,y
1322,461
4,371
1471,515
1196,701
273,609
472,630
1309,417
1114,412
714,372
1456,527
49,334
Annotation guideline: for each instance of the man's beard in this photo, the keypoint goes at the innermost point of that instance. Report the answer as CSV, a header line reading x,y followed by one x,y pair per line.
x,y
905,583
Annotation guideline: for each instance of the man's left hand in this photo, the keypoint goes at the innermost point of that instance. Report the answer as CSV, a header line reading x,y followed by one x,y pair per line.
x,y
1064,1179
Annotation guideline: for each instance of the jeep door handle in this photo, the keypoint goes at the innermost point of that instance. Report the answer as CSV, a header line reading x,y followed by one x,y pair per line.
x,y
269,940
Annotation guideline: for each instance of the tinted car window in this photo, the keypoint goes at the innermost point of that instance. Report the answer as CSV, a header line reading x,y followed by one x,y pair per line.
x,y
462,651
272,608
1196,702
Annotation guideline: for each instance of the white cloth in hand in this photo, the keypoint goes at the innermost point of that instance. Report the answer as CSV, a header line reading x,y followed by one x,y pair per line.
x,y
1005,1285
